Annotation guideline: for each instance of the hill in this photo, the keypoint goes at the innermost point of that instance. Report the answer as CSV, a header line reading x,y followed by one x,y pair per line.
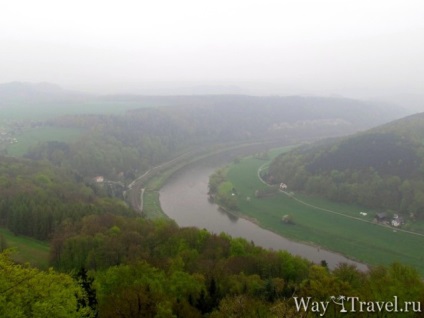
x,y
34,93
379,168
154,129
38,101
275,113
52,100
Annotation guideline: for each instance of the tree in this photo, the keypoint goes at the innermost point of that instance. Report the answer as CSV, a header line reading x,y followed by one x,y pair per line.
x,y
132,291
29,292
226,196
397,279
3,243
88,299
215,180
241,306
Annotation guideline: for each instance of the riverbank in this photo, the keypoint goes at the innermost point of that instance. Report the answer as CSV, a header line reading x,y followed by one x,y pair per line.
x,y
184,198
148,202
343,231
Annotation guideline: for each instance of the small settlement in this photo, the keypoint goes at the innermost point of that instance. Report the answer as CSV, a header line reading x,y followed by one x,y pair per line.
x,y
384,218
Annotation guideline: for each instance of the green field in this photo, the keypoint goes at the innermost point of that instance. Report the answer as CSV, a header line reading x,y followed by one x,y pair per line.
x,y
151,205
349,233
40,134
25,249
47,110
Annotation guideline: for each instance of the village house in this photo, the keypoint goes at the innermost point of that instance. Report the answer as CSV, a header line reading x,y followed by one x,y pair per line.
x,y
283,186
381,216
397,221
99,179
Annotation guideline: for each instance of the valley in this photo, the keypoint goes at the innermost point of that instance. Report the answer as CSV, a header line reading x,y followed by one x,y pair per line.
x,y
95,198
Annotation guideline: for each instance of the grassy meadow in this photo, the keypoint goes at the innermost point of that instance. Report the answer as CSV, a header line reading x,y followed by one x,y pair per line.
x,y
27,250
151,205
40,111
33,136
334,226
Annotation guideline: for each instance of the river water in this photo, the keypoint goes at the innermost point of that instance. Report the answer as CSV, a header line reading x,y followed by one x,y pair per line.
x,y
184,198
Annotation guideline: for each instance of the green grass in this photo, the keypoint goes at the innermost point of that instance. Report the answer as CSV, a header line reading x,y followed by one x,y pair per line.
x,y
417,226
26,249
364,241
35,135
151,205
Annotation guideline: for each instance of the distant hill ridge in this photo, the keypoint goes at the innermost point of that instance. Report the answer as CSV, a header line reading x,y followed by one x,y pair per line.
x,y
16,89
24,94
240,116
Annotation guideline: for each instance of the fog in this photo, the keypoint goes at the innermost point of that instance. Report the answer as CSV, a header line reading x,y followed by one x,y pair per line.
x,y
363,49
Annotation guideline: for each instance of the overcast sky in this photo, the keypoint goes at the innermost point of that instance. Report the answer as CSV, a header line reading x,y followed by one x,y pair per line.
x,y
363,47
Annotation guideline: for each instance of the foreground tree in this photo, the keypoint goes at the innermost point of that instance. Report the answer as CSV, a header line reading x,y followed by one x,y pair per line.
x,y
141,290
29,292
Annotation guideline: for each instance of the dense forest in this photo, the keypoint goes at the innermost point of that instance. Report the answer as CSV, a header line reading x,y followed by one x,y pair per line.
x,y
381,168
125,267
37,197
107,261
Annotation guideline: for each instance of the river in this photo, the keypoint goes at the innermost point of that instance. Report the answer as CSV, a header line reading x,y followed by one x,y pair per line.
x,y
184,198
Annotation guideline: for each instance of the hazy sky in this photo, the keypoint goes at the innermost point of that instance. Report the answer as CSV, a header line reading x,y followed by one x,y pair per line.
x,y
368,47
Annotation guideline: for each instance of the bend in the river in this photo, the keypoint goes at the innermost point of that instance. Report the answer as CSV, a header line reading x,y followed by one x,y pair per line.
x,y
184,198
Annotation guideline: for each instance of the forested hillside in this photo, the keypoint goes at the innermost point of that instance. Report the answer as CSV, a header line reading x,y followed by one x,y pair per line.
x,y
122,136
37,197
121,146
380,168
239,116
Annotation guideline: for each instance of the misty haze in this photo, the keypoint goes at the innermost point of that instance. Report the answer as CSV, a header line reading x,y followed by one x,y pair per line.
x,y
212,159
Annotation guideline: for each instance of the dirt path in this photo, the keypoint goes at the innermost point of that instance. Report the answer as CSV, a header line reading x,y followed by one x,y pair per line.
x,y
335,212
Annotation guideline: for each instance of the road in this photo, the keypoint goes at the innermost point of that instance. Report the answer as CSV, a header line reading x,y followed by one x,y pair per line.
x,y
136,188
335,212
